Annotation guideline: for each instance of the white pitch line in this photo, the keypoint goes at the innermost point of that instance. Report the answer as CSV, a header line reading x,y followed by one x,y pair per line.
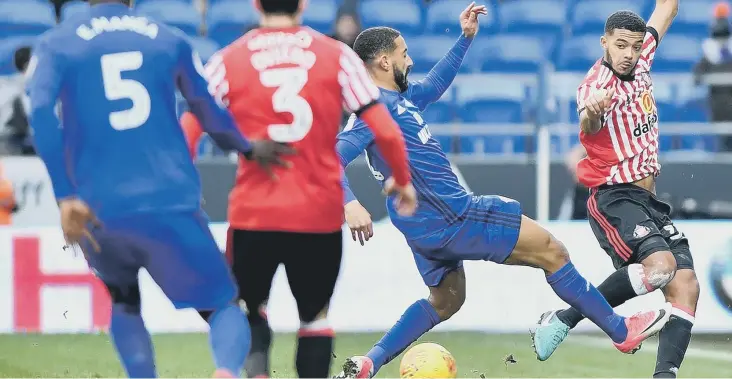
x,y
651,347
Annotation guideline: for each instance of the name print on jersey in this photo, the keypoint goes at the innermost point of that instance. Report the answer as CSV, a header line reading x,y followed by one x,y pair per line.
x,y
99,25
285,48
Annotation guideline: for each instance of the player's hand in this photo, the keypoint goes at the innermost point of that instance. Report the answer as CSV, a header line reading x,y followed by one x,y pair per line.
x,y
469,19
598,102
76,217
267,153
406,199
358,220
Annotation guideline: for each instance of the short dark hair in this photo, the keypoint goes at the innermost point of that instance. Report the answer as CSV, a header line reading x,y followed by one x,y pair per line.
x,y
288,7
627,20
21,58
374,41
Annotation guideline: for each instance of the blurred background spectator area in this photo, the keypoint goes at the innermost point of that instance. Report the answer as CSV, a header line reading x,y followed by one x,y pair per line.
x,y
522,70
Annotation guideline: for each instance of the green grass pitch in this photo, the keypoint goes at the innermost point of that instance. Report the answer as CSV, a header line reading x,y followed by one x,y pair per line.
x,y
477,354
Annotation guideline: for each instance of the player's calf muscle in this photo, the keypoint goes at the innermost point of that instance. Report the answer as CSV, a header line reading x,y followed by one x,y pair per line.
x,y
683,289
449,296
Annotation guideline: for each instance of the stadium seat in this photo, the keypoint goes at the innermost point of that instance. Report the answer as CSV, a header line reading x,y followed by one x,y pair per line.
x,y
403,15
71,8
693,111
493,101
227,20
8,46
440,112
204,46
677,53
579,53
442,18
590,15
426,51
510,53
694,18
176,13
320,15
543,18
25,17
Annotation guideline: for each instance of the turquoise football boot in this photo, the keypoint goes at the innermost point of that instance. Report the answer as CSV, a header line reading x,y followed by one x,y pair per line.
x,y
548,334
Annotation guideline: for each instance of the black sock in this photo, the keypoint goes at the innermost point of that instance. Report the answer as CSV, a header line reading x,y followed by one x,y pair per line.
x,y
616,289
257,364
673,340
314,356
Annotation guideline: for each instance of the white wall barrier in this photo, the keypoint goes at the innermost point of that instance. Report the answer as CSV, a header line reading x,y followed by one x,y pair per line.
x,y
44,288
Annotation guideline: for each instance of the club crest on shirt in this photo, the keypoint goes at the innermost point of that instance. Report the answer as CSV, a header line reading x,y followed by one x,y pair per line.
x,y
647,102
641,231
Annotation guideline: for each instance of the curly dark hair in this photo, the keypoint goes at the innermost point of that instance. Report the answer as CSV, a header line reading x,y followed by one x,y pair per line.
x,y
374,41
627,20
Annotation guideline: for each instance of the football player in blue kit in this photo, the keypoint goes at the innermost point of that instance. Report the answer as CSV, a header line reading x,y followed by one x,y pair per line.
x,y
127,189
452,225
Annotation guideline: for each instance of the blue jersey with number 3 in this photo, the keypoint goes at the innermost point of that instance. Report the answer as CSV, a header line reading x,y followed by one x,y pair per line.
x,y
119,145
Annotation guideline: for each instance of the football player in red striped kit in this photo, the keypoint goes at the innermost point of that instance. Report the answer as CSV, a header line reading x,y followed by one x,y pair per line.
x,y
619,129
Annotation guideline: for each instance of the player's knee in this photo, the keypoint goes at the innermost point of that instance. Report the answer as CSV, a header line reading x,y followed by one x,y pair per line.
x,y
552,256
449,296
126,298
659,269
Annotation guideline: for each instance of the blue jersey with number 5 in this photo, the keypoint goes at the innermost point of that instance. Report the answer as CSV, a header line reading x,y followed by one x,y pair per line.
x,y
119,145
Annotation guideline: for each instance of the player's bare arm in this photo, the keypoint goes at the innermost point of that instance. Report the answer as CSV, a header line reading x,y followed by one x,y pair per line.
x,y
359,221
594,108
662,16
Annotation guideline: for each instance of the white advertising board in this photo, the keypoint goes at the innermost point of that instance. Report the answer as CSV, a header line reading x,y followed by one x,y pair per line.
x,y
44,288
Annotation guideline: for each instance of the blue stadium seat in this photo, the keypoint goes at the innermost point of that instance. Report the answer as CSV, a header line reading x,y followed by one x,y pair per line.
x,y
227,20
442,18
701,143
677,53
427,50
510,53
694,18
545,18
693,111
440,112
71,8
579,53
590,15
8,46
176,13
491,100
204,46
25,17
403,15
320,15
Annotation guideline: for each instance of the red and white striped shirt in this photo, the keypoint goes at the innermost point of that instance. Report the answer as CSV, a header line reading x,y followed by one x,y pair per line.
x,y
626,147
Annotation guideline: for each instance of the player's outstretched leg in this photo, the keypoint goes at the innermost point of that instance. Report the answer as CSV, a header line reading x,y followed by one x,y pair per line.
x,y
536,247
129,335
230,340
446,298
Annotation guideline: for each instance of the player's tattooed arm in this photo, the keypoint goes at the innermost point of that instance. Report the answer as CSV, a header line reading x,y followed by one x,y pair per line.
x,y
589,125
663,15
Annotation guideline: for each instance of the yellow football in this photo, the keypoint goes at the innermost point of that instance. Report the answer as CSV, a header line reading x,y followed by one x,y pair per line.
x,y
428,361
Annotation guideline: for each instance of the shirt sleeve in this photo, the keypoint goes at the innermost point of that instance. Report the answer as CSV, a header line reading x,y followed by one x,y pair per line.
x,y
428,90
357,88
44,80
352,141
648,51
212,114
